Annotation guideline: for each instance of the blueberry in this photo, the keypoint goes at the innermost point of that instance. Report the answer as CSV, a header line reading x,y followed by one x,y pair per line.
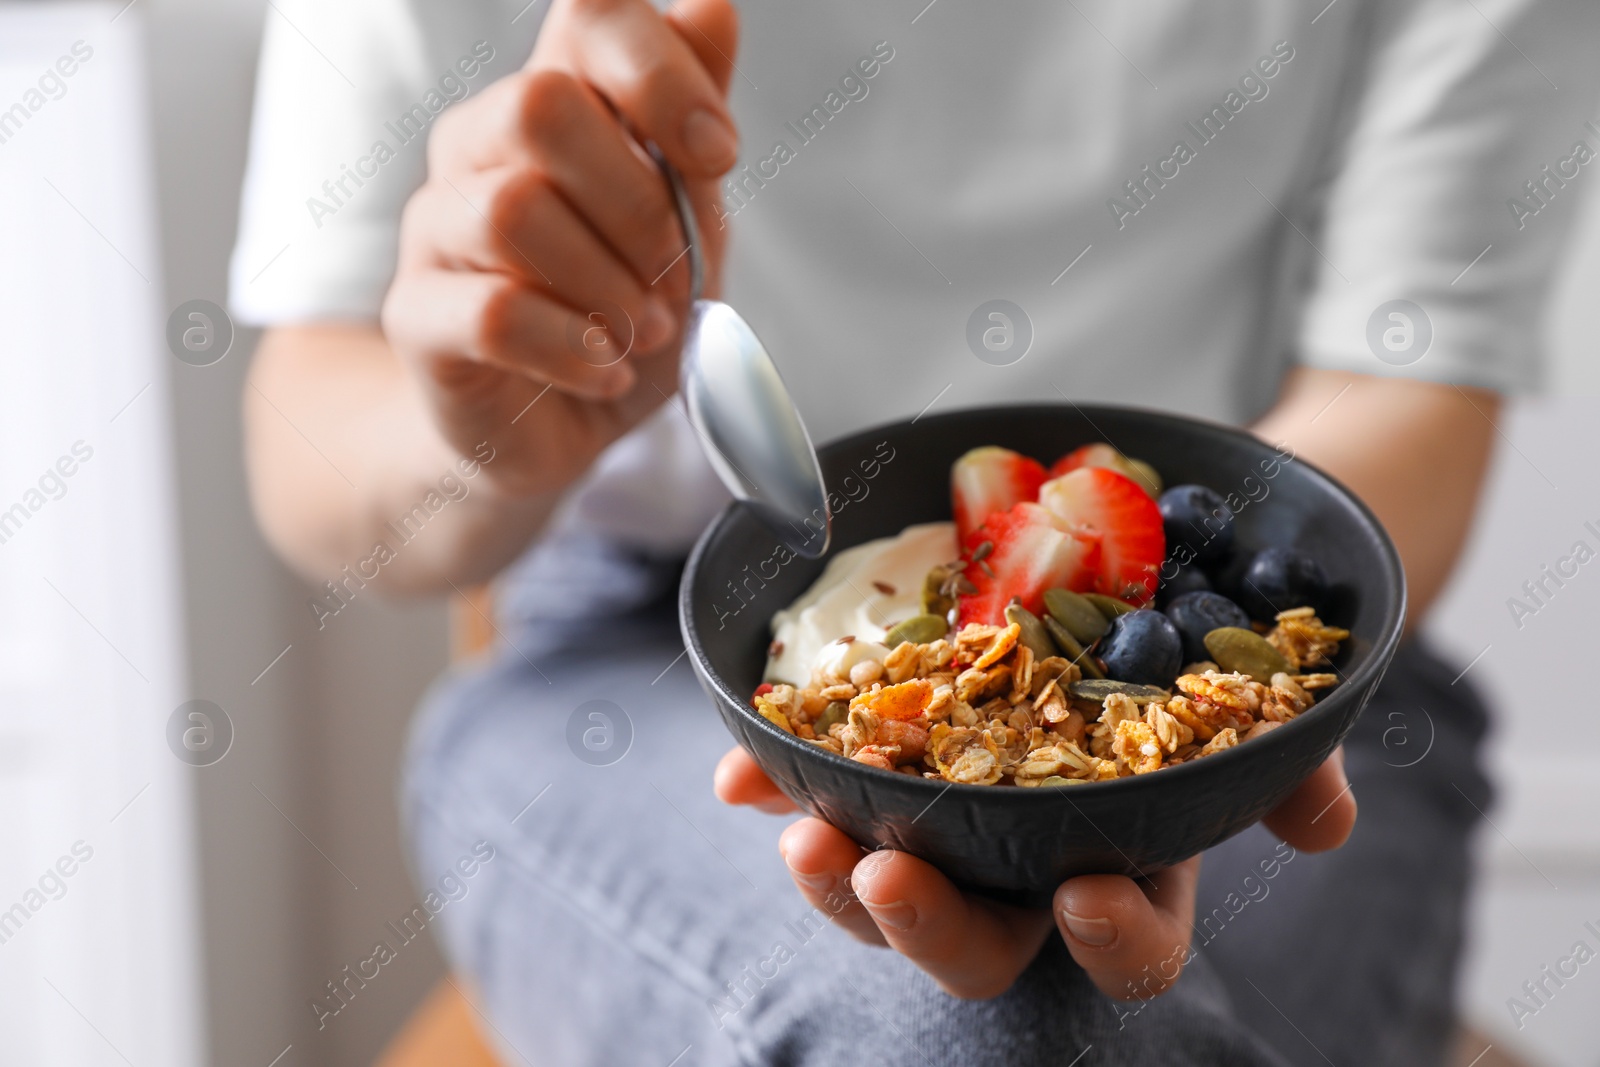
x,y
1142,647
1197,614
1184,578
1278,579
1197,519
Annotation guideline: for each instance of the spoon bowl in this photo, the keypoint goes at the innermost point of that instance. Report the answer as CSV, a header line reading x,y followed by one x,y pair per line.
x,y
738,404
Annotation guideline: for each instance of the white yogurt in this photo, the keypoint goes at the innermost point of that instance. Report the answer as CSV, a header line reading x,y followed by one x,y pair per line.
x,y
861,593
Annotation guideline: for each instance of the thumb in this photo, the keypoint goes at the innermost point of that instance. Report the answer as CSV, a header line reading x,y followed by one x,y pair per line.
x,y
1131,937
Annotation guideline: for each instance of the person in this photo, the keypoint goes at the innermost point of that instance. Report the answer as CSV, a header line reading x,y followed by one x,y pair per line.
x,y
1193,207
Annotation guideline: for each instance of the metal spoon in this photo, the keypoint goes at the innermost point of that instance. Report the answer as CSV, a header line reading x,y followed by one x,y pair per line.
x,y
747,423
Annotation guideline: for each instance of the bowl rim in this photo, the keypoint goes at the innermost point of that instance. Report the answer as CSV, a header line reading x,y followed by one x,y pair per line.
x,y
1383,646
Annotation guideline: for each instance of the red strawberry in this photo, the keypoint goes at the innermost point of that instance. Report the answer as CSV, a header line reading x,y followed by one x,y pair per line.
x,y
1104,504
1103,455
1098,454
990,479
1031,551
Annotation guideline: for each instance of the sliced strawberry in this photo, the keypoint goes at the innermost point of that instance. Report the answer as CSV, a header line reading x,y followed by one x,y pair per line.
x,y
1098,454
1103,504
1103,455
991,479
1031,551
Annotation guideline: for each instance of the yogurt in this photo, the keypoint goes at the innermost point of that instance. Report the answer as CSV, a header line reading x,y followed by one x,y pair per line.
x,y
861,593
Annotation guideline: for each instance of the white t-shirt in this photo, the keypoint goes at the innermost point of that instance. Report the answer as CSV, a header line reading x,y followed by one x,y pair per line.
x,y
1182,197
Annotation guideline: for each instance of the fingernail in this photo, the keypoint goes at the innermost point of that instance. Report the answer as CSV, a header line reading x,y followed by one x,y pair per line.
x,y
898,915
821,883
657,324
712,143
1096,932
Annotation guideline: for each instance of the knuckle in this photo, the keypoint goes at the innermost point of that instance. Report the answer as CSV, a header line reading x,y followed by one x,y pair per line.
x,y
646,214
442,139
391,318
414,215
401,318
511,203
497,318
550,100
657,77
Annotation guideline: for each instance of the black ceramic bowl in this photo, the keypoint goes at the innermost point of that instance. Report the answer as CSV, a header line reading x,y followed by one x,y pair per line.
x,y
1019,844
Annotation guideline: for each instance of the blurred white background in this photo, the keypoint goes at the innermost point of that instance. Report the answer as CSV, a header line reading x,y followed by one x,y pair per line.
x,y
295,836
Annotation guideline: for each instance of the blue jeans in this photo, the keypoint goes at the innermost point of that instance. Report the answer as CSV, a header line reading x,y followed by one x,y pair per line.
x,y
630,918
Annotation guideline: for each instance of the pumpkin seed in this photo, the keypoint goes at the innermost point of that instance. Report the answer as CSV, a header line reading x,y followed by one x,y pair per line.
x,y
937,599
919,630
1071,649
1109,606
1240,651
1056,779
1098,689
836,711
1081,618
1034,635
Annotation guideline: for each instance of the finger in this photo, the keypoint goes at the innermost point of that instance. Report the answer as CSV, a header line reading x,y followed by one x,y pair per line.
x,y
496,320
648,72
1131,937
543,438
820,859
1321,813
739,780
511,220
711,29
549,121
972,947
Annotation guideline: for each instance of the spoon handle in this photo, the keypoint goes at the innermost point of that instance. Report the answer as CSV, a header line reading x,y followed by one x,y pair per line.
x,y
691,230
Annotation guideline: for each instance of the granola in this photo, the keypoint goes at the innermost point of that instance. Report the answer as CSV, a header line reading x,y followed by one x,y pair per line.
x,y
980,707
1074,622
1303,638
